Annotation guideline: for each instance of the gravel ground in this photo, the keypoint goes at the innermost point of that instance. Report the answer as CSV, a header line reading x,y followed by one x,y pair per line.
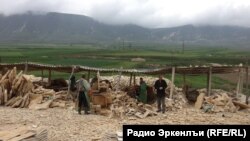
x,y
67,125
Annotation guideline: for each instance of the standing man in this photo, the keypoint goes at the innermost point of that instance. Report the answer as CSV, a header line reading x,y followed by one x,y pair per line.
x,y
83,99
143,91
160,86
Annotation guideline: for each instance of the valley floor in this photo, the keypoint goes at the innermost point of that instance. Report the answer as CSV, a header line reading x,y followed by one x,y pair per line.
x,y
66,124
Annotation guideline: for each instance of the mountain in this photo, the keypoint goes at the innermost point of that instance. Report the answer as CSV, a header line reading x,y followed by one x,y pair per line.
x,y
68,28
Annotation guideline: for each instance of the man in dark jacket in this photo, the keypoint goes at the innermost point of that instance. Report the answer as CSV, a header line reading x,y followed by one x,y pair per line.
x,y
160,86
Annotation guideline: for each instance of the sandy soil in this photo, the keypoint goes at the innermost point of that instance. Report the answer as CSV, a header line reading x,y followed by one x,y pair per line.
x,y
66,124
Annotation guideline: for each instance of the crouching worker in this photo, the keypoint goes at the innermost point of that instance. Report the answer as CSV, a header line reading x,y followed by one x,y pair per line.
x,y
83,99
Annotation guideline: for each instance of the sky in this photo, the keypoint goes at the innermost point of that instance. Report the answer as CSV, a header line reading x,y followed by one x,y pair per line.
x,y
147,13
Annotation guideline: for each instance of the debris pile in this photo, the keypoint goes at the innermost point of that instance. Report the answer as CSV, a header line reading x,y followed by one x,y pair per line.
x,y
124,105
122,82
17,90
219,101
23,133
177,102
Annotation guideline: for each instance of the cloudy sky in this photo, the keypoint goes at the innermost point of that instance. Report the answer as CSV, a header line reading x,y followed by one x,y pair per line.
x,y
148,13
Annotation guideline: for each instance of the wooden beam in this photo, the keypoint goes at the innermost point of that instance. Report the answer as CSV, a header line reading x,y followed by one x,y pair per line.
x,y
26,67
42,75
209,80
238,83
172,83
134,79
247,69
49,80
130,79
98,80
247,87
184,78
88,76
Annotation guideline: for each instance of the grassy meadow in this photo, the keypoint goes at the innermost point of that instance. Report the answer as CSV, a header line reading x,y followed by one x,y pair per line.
x,y
116,56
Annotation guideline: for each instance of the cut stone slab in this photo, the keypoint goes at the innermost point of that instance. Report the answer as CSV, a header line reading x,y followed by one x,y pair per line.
x,y
199,101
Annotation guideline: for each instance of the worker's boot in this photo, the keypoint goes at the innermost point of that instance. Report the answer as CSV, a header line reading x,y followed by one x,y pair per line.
x,y
86,112
159,110
79,110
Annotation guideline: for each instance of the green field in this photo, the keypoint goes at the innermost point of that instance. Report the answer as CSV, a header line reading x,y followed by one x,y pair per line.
x,y
114,56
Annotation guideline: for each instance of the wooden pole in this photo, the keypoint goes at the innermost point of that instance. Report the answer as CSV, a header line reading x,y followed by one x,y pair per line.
x,y
130,79
98,80
88,76
172,83
184,79
134,79
49,80
247,90
42,75
238,83
247,69
209,81
26,67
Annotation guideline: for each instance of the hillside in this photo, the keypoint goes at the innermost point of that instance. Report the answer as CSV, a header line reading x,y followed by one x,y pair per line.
x,y
68,28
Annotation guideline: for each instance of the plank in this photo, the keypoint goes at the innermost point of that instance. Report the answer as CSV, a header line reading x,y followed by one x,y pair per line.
x,y
17,77
24,136
14,133
25,98
42,106
5,76
17,103
5,96
19,80
27,102
199,101
172,83
242,105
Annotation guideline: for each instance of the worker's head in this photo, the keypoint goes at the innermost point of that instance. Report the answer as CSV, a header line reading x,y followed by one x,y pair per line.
x,y
160,77
141,79
73,78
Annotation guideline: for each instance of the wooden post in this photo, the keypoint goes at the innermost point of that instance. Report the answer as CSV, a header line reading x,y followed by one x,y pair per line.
x,y
247,90
42,75
238,83
184,78
209,81
247,69
26,67
130,79
88,76
134,79
49,80
98,80
172,83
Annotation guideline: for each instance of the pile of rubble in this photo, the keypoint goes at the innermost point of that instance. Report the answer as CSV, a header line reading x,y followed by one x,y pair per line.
x,y
177,102
124,105
17,90
219,101
120,82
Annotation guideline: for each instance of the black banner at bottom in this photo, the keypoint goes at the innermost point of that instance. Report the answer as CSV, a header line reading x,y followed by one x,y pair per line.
x,y
194,132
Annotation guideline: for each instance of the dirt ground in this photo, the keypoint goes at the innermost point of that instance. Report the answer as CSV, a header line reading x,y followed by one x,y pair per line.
x,y
67,125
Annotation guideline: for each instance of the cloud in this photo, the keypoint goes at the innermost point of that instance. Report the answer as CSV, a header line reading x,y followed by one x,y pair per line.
x,y
148,13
